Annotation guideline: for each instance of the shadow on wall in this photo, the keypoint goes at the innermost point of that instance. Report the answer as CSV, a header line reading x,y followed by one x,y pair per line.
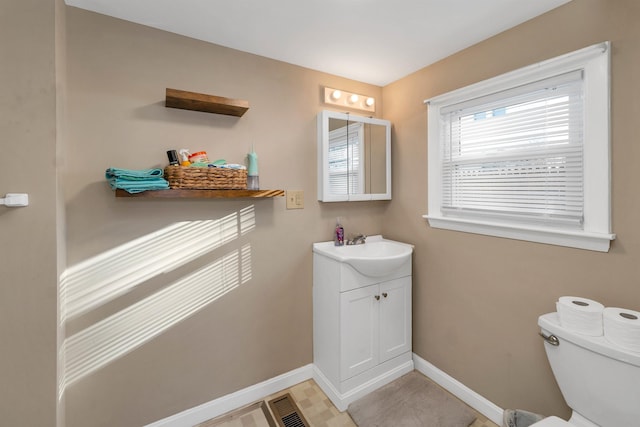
x,y
92,283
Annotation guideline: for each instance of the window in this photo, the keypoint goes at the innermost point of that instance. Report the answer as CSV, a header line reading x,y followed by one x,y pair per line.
x,y
525,155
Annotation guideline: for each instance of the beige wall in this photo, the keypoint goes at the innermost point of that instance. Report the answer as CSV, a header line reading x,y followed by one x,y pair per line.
x,y
28,256
477,298
117,75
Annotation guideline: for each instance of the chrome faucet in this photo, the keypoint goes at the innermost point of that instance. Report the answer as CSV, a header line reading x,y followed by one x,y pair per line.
x,y
360,239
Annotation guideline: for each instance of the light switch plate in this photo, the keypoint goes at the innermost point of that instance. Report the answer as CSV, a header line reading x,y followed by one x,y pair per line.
x,y
295,199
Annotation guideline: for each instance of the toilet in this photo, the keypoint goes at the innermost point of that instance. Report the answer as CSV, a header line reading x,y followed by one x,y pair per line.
x,y
599,381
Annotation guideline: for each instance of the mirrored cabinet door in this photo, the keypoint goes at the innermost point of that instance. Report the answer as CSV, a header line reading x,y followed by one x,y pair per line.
x,y
354,157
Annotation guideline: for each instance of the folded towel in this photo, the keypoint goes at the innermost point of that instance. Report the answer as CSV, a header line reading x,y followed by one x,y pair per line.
x,y
136,181
138,186
132,174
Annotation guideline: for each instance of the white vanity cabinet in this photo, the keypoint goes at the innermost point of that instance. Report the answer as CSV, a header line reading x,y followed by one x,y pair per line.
x,y
375,325
361,328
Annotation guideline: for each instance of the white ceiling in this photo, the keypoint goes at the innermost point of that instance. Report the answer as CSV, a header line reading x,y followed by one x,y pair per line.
x,y
372,41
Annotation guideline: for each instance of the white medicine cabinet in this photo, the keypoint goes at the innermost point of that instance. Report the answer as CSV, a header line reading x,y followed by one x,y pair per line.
x,y
354,157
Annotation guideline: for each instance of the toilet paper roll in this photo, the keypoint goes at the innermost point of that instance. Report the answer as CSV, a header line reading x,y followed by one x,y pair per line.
x,y
580,315
622,328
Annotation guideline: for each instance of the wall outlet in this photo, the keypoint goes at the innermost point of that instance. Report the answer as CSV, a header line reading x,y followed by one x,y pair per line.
x,y
295,199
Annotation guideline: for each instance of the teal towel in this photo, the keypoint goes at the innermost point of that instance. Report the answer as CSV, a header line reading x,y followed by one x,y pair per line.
x,y
136,181
132,174
140,185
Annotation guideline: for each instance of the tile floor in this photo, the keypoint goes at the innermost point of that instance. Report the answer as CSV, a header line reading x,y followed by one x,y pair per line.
x,y
320,412
250,416
316,406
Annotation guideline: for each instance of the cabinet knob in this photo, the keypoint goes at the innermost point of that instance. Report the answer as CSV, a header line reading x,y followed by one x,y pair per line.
x,y
377,297
384,294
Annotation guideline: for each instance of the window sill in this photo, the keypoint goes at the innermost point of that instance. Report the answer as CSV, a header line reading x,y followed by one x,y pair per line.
x,y
574,239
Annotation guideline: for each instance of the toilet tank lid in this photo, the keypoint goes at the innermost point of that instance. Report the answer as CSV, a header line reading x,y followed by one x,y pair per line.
x,y
550,324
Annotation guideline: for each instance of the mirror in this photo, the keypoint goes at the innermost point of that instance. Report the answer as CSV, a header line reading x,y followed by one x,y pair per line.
x,y
354,157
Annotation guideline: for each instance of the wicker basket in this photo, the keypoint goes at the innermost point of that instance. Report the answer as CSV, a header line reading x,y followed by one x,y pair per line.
x,y
206,178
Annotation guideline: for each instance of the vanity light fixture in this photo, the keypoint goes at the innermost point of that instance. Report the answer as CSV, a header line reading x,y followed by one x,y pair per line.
x,y
343,98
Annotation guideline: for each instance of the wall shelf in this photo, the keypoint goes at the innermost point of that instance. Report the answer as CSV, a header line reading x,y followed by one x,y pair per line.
x,y
207,103
202,194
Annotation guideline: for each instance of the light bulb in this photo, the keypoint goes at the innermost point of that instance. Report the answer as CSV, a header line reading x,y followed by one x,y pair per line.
x,y
336,94
353,99
370,102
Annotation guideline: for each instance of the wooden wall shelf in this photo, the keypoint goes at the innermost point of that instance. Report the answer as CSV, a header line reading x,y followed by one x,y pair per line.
x,y
208,103
203,194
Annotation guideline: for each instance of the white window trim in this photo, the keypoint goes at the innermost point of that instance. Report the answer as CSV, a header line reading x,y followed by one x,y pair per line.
x,y
596,235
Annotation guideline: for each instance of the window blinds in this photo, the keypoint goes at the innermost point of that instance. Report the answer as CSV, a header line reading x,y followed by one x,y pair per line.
x,y
517,155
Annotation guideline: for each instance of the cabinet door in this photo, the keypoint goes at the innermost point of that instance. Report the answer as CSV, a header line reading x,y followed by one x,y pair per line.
x,y
395,318
359,330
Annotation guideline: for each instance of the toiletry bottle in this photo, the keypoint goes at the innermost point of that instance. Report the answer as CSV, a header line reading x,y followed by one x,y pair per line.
x,y
338,238
184,156
173,157
252,171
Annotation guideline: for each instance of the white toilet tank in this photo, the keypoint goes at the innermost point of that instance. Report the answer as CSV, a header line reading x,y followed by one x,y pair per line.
x,y
598,380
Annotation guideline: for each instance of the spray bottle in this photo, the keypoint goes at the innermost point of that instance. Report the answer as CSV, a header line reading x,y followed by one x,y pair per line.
x,y
184,157
338,238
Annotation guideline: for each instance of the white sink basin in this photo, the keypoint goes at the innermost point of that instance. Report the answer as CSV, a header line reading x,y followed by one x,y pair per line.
x,y
377,257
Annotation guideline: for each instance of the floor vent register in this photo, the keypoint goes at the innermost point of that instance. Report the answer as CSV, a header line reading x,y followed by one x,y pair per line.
x,y
286,412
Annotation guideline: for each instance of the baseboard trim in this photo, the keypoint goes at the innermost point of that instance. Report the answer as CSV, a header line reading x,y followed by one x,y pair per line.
x,y
461,391
343,400
232,401
259,391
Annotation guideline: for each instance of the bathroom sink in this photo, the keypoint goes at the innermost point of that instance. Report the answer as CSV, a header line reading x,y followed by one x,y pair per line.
x,y
377,257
